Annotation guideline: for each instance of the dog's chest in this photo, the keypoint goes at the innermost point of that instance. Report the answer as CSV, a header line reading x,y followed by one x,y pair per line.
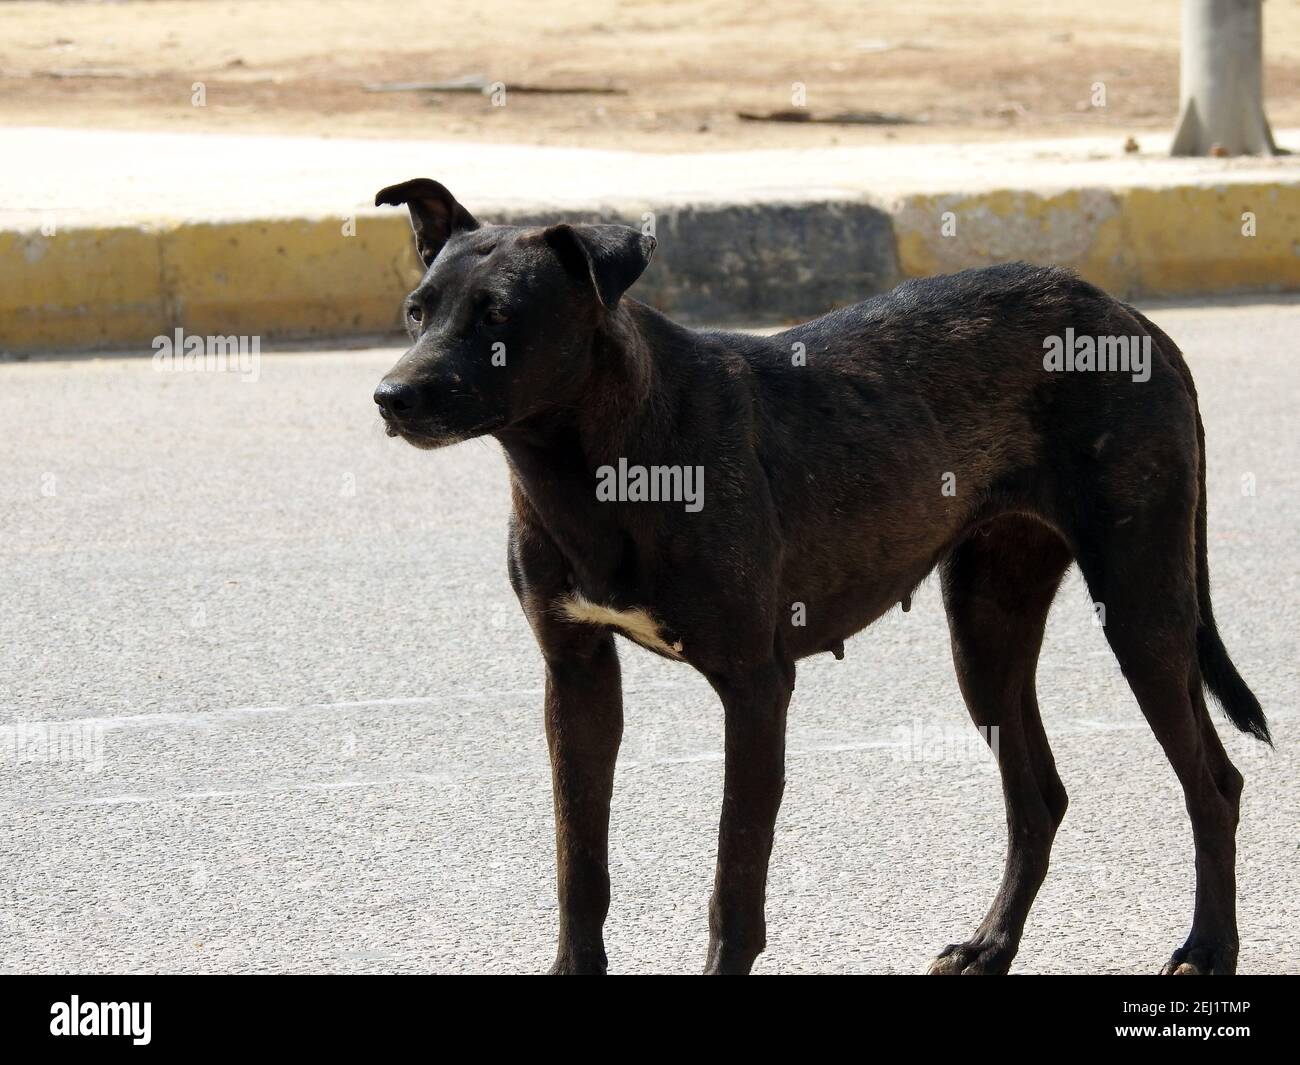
x,y
636,623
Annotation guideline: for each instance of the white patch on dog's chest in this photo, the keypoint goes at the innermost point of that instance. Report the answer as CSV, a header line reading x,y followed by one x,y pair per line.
x,y
636,624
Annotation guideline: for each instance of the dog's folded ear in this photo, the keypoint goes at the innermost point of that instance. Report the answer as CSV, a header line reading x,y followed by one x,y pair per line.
x,y
435,214
611,256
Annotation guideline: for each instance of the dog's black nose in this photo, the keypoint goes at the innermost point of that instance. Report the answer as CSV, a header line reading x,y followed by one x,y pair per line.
x,y
396,397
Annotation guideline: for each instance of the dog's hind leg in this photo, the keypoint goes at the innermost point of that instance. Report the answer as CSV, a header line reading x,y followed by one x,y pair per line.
x,y
998,586
1142,572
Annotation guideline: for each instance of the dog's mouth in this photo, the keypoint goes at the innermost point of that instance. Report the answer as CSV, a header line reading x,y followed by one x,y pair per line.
x,y
428,436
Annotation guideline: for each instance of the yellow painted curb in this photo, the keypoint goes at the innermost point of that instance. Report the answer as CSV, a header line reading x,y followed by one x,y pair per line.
x,y
295,277
81,288
1229,238
123,286
1081,229
1182,240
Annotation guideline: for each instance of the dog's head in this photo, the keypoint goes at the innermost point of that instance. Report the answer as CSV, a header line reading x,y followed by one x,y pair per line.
x,y
503,322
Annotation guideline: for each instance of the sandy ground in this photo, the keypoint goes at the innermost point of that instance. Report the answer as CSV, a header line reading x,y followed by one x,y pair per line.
x,y
682,68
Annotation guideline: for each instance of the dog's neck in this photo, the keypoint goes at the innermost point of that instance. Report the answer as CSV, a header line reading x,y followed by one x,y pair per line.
x,y
626,410
626,405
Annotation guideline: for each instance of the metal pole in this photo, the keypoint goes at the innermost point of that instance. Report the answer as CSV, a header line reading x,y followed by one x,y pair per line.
x,y
1221,108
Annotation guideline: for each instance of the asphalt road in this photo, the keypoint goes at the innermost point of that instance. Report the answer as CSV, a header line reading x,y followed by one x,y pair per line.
x,y
268,705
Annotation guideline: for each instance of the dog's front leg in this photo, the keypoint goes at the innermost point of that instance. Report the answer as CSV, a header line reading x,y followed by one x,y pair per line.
x,y
584,724
755,704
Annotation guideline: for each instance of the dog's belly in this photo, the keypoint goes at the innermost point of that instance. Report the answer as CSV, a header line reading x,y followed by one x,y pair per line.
x,y
828,623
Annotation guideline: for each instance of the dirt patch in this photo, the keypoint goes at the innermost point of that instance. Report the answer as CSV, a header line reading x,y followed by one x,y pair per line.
x,y
682,68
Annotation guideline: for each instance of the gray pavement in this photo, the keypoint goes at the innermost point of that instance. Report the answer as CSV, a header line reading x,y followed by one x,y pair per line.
x,y
267,704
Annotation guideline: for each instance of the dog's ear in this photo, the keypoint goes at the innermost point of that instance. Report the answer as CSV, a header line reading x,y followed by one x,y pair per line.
x,y
612,257
435,214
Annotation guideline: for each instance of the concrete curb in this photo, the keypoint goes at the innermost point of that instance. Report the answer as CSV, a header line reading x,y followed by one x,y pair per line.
x,y
1181,240
291,278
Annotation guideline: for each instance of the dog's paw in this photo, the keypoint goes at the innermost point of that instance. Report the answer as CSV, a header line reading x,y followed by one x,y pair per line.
x,y
1200,961
578,964
989,956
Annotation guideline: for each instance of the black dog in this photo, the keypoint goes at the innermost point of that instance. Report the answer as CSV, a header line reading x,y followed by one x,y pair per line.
x,y
820,475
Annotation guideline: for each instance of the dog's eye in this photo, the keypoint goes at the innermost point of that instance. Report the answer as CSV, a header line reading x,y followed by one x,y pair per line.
x,y
495,317
415,312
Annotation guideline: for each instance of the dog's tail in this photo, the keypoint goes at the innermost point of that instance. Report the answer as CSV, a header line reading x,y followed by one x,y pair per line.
x,y
1217,670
